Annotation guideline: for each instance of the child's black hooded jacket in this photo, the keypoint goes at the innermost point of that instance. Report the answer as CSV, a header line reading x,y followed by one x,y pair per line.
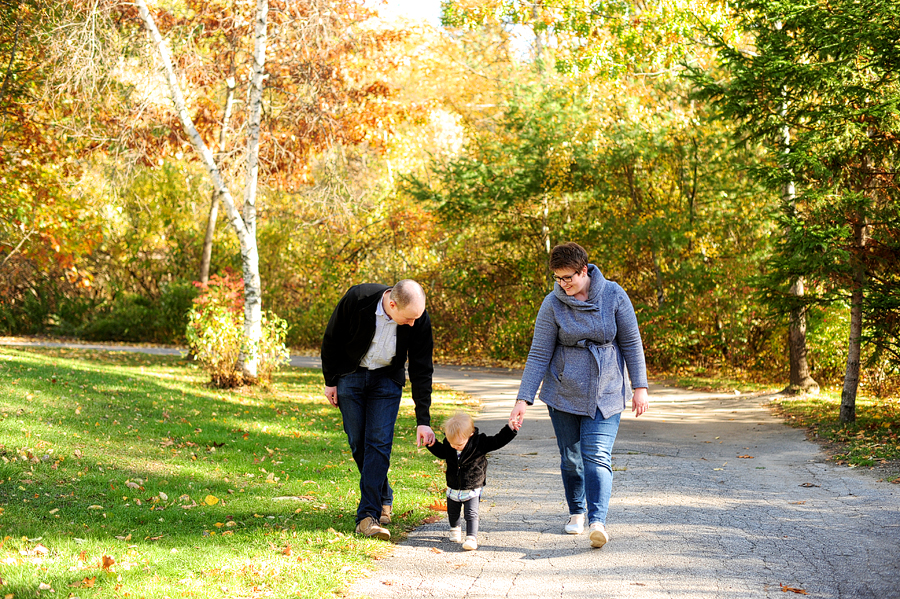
x,y
469,469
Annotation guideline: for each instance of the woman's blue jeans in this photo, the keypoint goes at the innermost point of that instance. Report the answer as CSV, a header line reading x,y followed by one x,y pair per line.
x,y
369,401
585,448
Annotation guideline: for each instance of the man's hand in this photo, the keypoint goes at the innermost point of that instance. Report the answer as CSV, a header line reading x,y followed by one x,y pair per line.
x,y
640,403
424,435
517,416
331,394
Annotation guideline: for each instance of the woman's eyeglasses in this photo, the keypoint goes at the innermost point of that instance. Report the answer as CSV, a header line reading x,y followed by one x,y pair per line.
x,y
564,279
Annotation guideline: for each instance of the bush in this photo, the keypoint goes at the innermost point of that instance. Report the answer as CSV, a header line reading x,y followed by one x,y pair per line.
x,y
215,334
131,317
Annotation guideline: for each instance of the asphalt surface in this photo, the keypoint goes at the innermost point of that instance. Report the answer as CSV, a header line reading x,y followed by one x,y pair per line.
x,y
689,516
713,497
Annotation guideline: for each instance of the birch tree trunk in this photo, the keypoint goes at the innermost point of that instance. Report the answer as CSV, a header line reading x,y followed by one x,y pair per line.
x,y
249,254
246,232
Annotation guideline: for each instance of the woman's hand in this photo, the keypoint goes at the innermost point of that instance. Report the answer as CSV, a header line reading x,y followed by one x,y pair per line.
x,y
640,403
517,416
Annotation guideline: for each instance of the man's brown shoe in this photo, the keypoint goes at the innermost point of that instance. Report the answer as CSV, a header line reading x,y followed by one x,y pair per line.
x,y
385,514
370,528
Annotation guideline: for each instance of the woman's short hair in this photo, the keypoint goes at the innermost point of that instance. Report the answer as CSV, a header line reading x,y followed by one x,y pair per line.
x,y
568,255
459,426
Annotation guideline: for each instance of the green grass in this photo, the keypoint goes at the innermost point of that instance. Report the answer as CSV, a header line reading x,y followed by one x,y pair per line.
x,y
869,441
124,475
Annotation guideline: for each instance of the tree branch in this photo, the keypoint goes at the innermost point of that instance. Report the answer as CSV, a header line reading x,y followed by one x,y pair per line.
x,y
16,249
12,57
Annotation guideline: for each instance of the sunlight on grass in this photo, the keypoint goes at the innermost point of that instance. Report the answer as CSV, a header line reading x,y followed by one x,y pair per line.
x,y
124,475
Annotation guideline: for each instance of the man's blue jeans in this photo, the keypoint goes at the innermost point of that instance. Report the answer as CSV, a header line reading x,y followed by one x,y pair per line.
x,y
585,448
369,401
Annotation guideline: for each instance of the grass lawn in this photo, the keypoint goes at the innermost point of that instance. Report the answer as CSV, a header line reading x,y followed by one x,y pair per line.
x,y
123,475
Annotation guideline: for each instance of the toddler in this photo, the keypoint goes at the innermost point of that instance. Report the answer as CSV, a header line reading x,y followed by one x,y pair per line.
x,y
465,449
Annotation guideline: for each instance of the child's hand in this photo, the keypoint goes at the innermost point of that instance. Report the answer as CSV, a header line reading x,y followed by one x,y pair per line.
x,y
517,416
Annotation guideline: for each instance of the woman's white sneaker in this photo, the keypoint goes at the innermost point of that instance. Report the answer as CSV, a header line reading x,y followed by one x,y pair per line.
x,y
456,535
575,525
470,543
598,535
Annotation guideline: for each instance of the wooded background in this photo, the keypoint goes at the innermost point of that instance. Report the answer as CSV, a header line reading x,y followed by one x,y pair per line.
x,y
732,166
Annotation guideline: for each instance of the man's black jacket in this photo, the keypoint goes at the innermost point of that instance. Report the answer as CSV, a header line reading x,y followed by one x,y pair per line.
x,y
350,332
468,470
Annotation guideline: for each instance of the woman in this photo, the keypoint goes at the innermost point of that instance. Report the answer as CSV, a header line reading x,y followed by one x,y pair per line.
x,y
585,334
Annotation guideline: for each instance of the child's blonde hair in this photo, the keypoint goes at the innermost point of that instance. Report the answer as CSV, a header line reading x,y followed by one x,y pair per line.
x,y
459,427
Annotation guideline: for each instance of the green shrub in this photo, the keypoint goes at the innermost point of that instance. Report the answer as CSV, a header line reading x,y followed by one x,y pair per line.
x,y
215,334
130,317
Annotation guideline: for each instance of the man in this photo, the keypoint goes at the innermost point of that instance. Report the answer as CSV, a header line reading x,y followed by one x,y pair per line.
x,y
372,332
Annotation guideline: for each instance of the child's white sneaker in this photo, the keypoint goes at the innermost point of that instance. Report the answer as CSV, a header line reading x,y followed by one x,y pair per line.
x,y
456,534
575,525
470,544
599,538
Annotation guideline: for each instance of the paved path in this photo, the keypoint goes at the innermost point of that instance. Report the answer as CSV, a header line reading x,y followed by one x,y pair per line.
x,y
689,517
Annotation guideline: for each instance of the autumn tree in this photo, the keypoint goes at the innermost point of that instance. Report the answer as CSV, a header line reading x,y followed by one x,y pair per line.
x,y
45,225
320,86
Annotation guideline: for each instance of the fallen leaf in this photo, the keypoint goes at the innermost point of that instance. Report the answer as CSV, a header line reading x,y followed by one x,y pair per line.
x,y
108,563
87,583
797,502
287,550
95,507
436,550
433,519
41,550
746,457
163,496
387,582
45,587
808,485
438,506
787,589
211,500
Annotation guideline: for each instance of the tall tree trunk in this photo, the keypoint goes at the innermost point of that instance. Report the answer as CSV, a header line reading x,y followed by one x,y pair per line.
x,y
246,232
851,373
799,380
214,201
249,252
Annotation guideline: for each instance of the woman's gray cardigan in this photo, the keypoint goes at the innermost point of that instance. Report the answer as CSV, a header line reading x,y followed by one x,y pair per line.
x,y
580,350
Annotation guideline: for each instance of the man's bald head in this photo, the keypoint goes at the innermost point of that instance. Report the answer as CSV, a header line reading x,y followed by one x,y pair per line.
x,y
407,302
